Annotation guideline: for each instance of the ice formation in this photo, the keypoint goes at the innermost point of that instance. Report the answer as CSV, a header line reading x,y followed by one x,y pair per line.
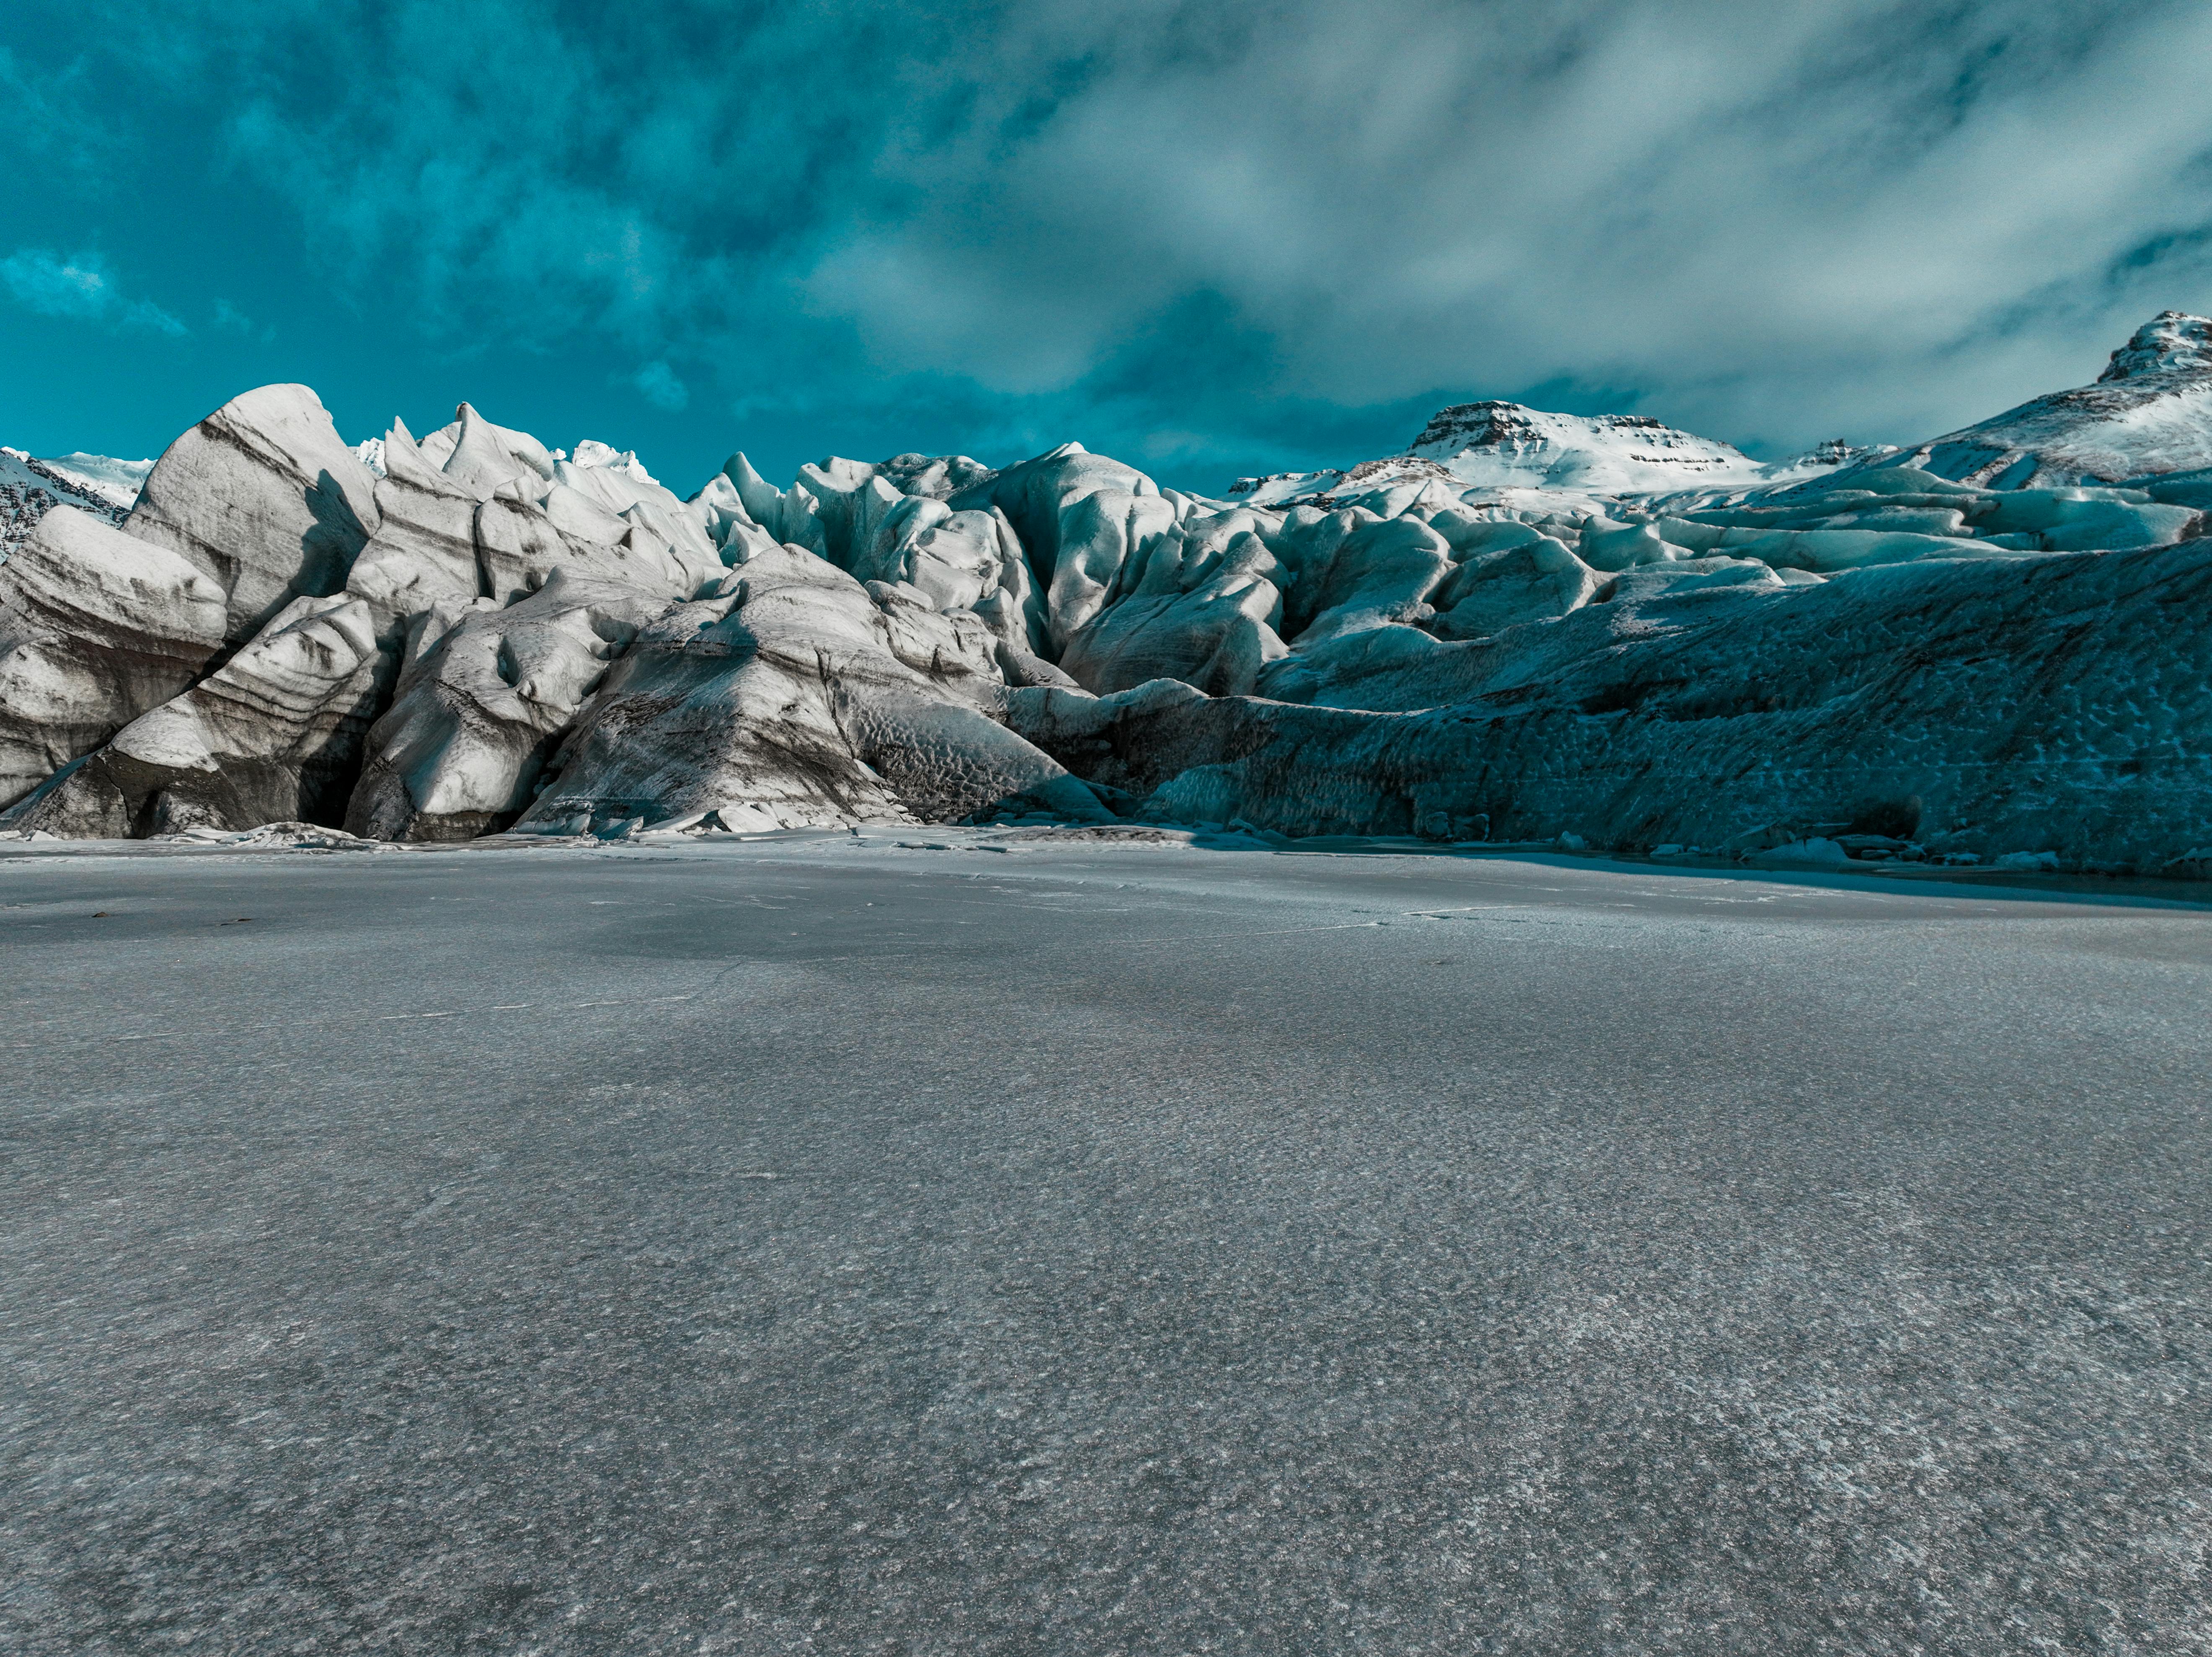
x,y
1525,627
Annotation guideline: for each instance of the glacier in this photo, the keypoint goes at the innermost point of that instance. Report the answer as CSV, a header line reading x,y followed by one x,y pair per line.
x,y
1597,632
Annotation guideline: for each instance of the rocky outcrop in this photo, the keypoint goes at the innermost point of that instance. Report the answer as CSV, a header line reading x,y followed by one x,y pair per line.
x,y
94,484
96,628
2171,342
2149,413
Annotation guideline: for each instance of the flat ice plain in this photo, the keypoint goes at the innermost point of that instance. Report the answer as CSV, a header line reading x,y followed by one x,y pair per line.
x,y
824,1244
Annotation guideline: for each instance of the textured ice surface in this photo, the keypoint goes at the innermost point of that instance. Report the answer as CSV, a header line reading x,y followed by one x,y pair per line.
x,y
1084,1241
1526,626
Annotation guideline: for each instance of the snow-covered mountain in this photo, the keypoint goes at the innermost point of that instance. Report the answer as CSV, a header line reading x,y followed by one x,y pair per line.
x,y
1525,625
1508,445
1502,445
30,487
119,481
2149,414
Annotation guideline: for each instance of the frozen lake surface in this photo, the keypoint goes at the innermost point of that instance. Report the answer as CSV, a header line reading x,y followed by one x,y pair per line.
x,y
825,1244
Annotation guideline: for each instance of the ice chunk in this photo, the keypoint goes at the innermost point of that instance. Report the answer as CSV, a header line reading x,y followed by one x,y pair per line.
x,y
265,496
1818,849
96,628
1830,550
1499,590
1907,480
1622,546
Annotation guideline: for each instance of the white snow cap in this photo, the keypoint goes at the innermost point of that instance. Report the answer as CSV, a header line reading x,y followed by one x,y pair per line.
x,y
1505,443
122,478
591,452
2172,339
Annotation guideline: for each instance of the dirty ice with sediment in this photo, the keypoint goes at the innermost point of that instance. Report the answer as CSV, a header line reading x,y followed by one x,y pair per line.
x,y
1989,647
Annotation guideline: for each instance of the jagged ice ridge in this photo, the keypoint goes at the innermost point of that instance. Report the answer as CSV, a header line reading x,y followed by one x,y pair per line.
x,y
1526,627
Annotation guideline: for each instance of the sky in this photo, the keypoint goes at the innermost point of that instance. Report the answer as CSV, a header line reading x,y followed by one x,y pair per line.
x,y
1209,239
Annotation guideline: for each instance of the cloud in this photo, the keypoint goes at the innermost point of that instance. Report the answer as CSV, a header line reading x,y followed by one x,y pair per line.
x,y
657,385
78,288
1250,235
54,289
229,319
50,117
1774,221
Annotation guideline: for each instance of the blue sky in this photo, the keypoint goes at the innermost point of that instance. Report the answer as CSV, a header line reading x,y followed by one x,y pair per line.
x,y
1208,239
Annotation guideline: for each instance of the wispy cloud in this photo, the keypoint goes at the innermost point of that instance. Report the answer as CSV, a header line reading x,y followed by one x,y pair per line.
x,y
48,114
657,385
81,287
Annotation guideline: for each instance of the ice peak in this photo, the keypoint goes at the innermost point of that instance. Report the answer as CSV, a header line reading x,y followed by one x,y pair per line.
x,y
2172,339
593,452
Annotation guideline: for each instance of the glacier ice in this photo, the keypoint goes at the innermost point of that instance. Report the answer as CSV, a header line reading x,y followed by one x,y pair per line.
x,y
96,628
264,496
1525,627
269,737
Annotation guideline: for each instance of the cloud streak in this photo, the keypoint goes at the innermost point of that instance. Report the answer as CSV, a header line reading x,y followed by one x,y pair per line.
x,y
80,288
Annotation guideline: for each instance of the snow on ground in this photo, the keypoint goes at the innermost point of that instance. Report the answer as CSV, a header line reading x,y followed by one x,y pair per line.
x,y
118,481
31,487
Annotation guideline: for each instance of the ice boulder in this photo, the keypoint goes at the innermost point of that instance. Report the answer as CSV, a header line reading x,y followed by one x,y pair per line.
x,y
1826,551
799,696
1622,546
1037,493
483,704
424,548
1382,571
1194,612
1498,590
485,455
2079,519
271,736
2189,489
96,628
265,496
1102,534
